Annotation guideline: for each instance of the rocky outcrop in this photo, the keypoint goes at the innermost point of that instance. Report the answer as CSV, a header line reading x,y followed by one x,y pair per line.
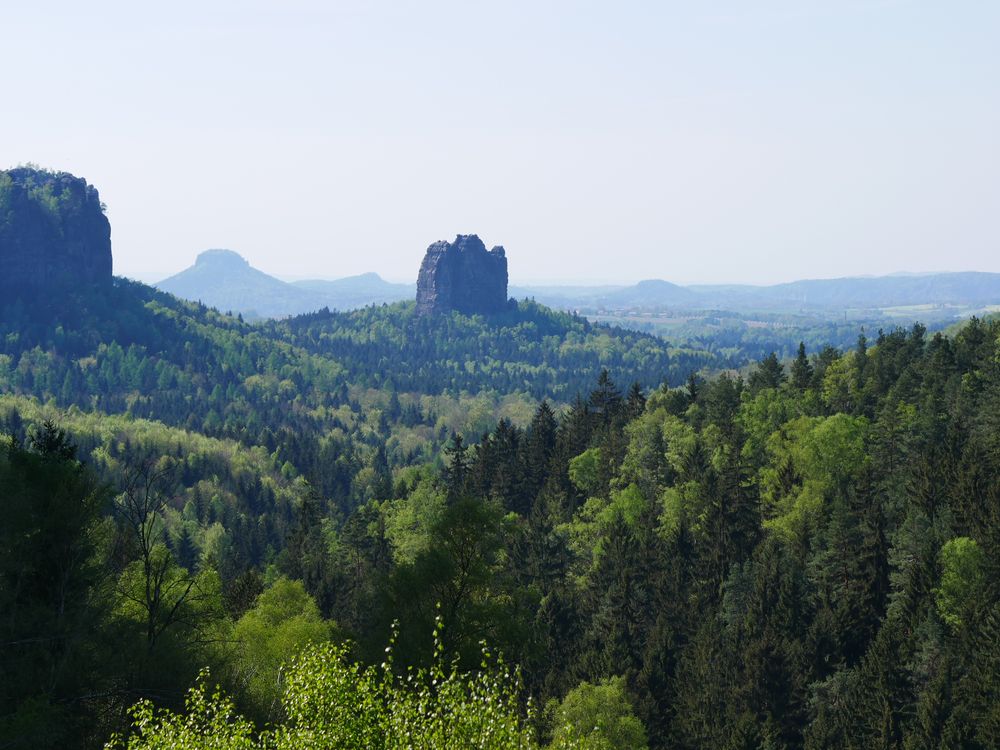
x,y
463,276
53,232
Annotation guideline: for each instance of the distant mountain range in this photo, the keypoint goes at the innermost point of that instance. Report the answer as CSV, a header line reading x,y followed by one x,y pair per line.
x,y
967,289
970,289
225,280
653,293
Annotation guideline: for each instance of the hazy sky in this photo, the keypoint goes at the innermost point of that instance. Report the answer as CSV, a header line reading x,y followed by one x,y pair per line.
x,y
614,141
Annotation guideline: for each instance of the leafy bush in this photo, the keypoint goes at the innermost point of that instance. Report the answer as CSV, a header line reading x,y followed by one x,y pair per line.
x,y
332,702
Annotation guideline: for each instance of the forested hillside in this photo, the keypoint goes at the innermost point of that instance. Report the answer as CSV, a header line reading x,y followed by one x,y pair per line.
x,y
528,349
372,378
804,558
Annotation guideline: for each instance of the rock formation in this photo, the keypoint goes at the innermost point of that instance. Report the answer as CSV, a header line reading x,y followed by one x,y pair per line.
x,y
462,276
53,232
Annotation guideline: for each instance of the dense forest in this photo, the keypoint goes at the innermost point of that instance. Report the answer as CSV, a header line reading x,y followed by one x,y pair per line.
x,y
375,530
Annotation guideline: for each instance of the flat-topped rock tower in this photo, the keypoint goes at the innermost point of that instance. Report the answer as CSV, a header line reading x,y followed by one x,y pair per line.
x,y
53,232
463,276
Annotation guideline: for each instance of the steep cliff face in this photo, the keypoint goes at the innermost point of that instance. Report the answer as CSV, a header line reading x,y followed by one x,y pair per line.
x,y
464,276
53,232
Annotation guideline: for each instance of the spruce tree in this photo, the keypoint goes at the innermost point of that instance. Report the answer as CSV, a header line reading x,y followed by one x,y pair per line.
x,y
802,371
635,404
606,399
455,473
769,373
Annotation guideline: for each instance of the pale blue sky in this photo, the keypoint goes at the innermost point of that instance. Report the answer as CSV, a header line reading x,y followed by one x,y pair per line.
x,y
696,142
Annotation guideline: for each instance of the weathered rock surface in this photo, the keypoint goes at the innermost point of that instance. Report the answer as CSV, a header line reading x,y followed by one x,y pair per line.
x,y
53,232
463,276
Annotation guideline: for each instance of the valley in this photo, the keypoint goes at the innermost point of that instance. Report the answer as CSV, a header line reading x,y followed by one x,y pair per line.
x,y
710,526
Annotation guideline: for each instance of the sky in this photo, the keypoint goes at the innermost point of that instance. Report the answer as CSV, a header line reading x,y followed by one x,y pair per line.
x,y
599,142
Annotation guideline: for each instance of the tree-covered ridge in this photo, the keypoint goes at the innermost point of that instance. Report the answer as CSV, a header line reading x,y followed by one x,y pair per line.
x,y
528,348
145,354
134,351
102,592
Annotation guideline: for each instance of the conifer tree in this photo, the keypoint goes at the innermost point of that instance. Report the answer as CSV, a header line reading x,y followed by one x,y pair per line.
x,y
769,373
456,470
802,371
606,399
635,403
537,449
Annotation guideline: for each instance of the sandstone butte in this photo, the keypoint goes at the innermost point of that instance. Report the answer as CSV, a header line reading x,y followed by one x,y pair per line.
x,y
53,232
462,276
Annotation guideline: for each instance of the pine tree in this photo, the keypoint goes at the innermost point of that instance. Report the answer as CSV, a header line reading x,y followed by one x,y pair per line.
x,y
307,554
606,399
537,449
380,465
635,404
507,484
861,358
802,371
185,551
456,471
769,373
692,387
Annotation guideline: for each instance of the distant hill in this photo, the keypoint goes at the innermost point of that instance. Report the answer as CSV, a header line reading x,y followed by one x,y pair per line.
x,y
225,280
562,296
358,291
893,291
967,289
651,293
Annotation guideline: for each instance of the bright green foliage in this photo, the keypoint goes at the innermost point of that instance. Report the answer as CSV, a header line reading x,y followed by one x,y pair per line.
x,y
187,601
840,387
962,579
598,717
461,576
584,470
284,621
645,462
587,530
331,702
810,456
410,521
209,722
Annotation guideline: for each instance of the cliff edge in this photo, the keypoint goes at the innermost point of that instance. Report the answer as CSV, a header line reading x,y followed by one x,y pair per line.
x,y
463,276
53,232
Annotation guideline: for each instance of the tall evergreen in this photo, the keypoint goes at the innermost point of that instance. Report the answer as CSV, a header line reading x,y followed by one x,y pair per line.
x,y
802,371
456,470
